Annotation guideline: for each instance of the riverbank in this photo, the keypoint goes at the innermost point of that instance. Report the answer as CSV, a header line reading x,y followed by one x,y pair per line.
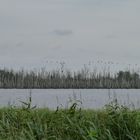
x,y
112,123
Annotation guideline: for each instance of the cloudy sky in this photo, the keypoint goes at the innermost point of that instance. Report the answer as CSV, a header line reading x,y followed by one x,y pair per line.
x,y
33,32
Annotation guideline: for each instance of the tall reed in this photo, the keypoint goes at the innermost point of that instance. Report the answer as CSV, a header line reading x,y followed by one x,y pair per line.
x,y
112,123
67,79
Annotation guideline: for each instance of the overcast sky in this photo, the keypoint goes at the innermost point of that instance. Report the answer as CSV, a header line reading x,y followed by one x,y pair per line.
x,y
33,32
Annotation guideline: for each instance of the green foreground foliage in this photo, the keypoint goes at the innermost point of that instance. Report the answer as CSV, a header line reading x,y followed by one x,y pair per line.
x,y
112,123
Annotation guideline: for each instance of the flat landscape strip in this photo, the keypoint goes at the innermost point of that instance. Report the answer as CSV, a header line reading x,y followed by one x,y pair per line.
x,y
66,79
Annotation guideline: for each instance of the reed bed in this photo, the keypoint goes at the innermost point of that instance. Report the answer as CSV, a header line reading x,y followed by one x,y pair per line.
x,y
112,123
68,79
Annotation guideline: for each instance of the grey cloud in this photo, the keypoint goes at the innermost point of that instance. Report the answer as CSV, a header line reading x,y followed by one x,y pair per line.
x,y
20,44
111,36
63,32
74,30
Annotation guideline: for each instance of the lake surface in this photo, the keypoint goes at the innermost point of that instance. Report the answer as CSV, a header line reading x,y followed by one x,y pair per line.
x,y
86,98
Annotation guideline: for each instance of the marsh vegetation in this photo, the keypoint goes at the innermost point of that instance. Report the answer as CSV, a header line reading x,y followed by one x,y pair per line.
x,y
67,79
113,123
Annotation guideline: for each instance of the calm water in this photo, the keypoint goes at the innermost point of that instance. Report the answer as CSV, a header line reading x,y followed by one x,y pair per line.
x,y
86,98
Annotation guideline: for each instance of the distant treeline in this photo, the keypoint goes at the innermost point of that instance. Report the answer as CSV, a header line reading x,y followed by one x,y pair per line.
x,y
68,79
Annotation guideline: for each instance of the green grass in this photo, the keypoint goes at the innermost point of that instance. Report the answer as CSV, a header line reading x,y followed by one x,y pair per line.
x,y
112,123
